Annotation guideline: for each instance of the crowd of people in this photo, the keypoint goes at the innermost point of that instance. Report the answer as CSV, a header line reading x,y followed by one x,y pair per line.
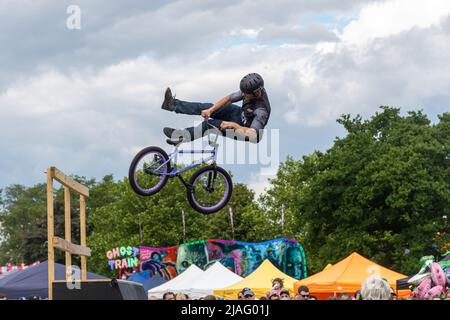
x,y
374,288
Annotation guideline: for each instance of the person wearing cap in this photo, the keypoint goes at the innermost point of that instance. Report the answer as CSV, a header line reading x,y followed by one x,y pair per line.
x,y
248,294
285,294
246,122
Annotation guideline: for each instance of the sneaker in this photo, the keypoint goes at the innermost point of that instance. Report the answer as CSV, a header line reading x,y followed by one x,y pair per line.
x,y
176,133
168,132
169,101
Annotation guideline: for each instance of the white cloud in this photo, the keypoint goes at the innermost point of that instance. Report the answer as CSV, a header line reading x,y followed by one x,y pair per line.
x,y
250,33
91,117
259,183
394,53
384,19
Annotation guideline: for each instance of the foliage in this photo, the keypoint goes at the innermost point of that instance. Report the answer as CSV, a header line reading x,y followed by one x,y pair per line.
x,y
382,191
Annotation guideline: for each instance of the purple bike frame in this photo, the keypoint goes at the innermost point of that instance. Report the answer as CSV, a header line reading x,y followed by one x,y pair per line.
x,y
174,155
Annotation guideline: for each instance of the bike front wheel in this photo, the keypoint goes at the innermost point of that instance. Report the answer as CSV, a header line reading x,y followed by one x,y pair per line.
x,y
211,189
147,174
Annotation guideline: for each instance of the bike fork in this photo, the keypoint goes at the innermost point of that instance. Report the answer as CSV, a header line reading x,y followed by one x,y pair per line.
x,y
212,180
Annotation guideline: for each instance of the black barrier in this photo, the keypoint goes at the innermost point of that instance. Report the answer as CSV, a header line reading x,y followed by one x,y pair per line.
x,y
99,290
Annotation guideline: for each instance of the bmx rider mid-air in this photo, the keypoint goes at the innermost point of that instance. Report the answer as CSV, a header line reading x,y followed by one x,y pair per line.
x,y
246,122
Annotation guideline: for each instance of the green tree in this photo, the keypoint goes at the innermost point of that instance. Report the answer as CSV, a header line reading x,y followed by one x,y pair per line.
x,y
380,190
24,223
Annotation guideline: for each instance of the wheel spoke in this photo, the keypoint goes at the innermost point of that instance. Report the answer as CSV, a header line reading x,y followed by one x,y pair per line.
x,y
209,188
148,172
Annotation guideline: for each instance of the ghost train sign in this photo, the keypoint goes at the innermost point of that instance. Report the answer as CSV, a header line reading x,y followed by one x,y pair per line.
x,y
123,257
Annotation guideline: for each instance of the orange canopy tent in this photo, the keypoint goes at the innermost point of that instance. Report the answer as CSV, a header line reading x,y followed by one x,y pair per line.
x,y
347,276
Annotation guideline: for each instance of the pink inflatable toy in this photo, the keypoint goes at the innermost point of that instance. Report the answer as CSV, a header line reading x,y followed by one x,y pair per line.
x,y
434,292
423,288
438,275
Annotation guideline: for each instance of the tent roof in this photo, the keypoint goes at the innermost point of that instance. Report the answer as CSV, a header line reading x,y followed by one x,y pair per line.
x,y
216,277
33,281
144,278
328,266
260,281
180,283
347,276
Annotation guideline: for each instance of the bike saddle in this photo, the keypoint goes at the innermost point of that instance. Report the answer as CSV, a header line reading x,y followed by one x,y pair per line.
x,y
174,142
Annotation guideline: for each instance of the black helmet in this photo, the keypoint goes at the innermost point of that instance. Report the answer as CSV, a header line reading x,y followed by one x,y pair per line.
x,y
251,83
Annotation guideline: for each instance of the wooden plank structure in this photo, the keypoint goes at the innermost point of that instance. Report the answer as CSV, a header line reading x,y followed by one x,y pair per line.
x,y
65,244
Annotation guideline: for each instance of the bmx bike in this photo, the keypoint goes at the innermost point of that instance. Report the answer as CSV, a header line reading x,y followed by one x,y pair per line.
x,y
209,188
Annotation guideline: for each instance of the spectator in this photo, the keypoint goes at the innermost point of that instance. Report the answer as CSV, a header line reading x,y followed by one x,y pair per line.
x,y
285,295
447,296
263,298
181,296
303,293
332,298
375,288
3,296
357,295
393,295
248,294
169,296
152,298
344,296
210,297
277,286
273,295
240,295
312,298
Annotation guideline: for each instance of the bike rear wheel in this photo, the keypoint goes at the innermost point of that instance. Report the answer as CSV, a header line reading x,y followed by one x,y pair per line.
x,y
211,189
146,173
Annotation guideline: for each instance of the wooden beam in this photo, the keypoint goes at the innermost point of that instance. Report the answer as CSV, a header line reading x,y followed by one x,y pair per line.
x,y
67,231
66,246
50,234
83,236
69,182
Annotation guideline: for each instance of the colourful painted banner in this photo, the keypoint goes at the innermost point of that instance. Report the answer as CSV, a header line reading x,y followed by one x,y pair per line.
x,y
240,257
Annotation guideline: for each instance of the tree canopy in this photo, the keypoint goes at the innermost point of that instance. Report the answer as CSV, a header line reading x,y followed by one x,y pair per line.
x,y
382,190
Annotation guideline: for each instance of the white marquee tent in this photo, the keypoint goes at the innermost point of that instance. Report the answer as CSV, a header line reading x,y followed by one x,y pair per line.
x,y
215,277
197,283
181,283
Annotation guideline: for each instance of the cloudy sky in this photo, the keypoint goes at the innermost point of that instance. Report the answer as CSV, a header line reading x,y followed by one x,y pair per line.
x,y
86,100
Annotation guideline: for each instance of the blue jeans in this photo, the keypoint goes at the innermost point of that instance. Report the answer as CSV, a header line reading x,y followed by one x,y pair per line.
x,y
230,112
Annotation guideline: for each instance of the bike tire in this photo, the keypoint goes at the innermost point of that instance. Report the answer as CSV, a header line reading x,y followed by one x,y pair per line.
x,y
132,170
222,202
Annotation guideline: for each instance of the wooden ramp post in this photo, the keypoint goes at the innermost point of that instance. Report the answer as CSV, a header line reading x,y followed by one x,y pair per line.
x,y
65,244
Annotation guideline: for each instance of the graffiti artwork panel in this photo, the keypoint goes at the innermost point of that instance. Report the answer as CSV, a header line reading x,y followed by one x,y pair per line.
x,y
240,257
